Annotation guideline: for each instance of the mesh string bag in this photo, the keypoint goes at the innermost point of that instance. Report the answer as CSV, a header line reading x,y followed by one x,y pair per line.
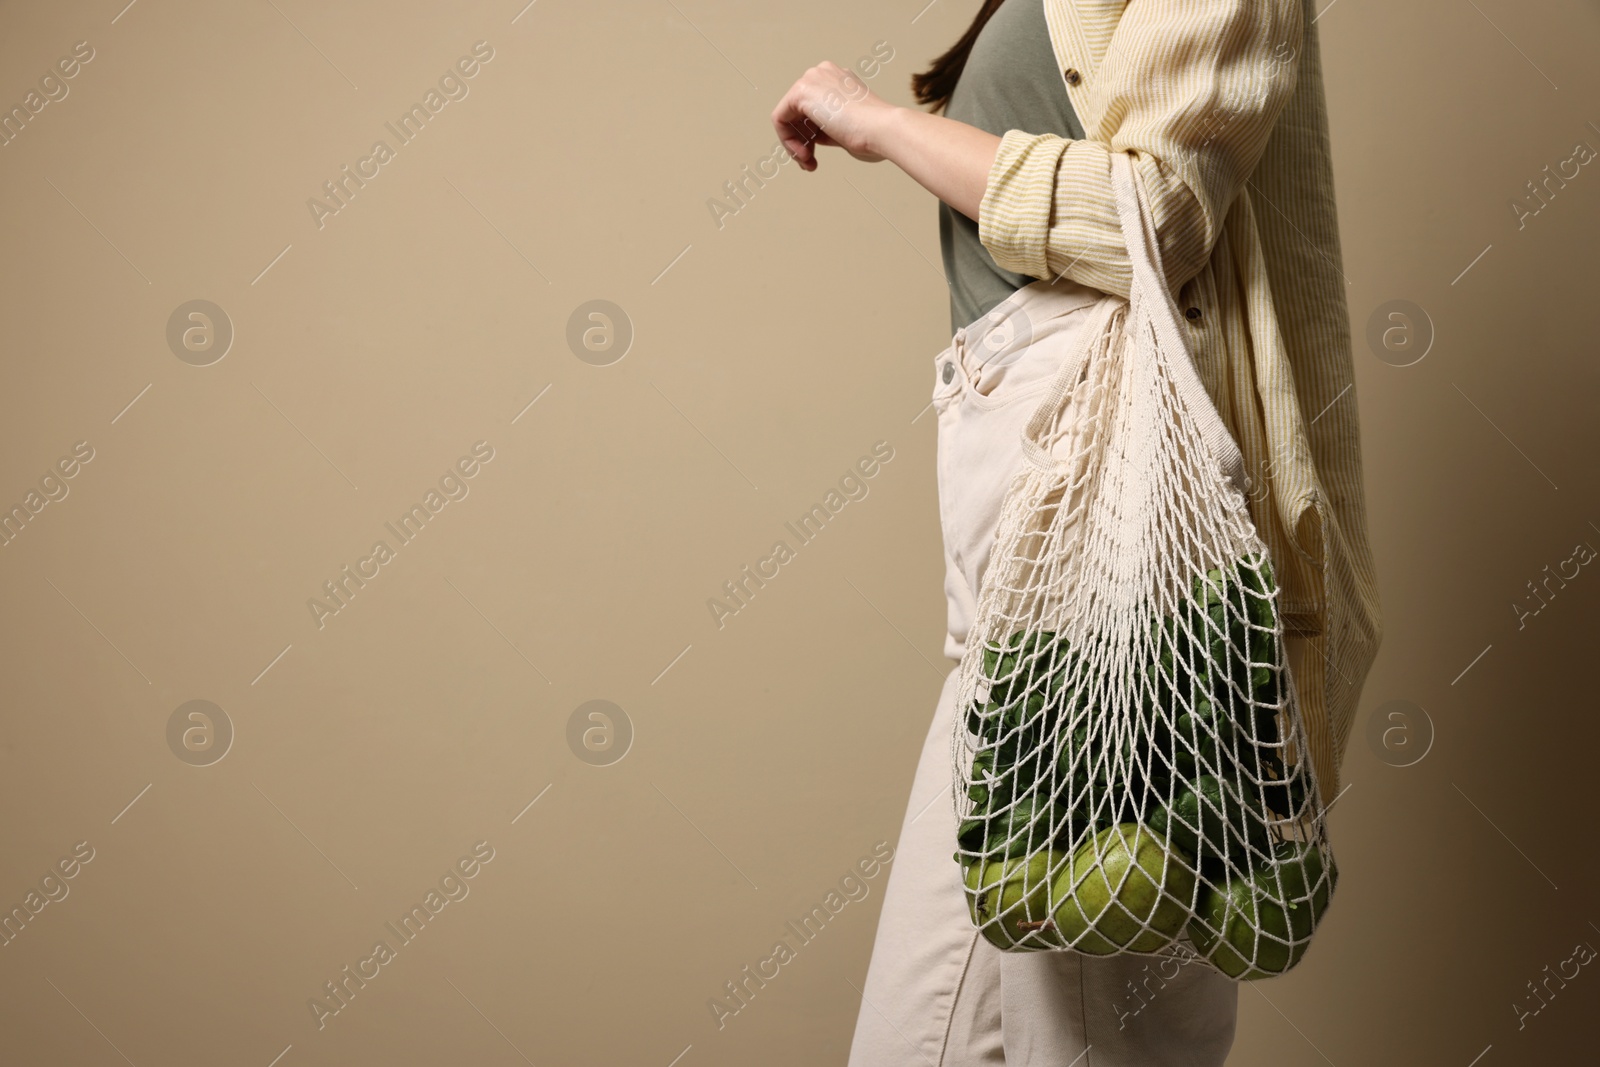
x,y
1131,769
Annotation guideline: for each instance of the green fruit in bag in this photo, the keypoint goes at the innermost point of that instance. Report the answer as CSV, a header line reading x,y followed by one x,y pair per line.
x,y
1003,896
1122,890
1258,926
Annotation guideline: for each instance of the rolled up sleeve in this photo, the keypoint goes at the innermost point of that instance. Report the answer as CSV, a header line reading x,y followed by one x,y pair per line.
x,y
1191,88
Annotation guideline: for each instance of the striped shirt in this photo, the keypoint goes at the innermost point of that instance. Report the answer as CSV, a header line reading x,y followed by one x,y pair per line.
x,y
1221,104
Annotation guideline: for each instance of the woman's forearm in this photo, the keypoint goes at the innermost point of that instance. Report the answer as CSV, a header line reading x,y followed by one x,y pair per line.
x,y
950,159
829,105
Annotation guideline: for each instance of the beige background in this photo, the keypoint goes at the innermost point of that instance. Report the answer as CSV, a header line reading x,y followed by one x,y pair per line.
x,y
768,355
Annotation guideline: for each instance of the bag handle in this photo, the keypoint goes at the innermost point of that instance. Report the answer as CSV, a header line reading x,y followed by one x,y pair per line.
x,y
1152,302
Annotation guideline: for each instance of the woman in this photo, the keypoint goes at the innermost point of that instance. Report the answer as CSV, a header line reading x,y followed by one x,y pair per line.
x,y
1220,104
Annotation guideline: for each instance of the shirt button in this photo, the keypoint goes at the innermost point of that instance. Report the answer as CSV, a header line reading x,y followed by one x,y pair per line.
x,y
1192,314
1072,76
949,371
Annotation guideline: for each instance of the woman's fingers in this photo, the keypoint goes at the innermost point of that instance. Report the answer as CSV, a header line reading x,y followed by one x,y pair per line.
x,y
798,146
794,125
795,128
824,96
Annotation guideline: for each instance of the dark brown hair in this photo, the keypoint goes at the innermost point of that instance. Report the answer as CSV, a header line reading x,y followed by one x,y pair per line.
x,y
934,85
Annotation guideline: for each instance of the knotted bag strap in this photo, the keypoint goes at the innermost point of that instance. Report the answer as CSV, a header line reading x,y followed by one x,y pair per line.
x,y
1152,302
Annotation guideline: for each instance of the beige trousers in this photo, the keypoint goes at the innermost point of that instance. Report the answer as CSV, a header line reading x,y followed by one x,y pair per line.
x,y
936,992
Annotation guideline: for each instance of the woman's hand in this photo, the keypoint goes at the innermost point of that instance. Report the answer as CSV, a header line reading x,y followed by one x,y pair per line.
x,y
831,106
838,103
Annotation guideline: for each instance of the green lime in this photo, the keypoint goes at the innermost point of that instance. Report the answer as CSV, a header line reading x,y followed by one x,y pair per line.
x,y
1122,890
1004,896
1259,926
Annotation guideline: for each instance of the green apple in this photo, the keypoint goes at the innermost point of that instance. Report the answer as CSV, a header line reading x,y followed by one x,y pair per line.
x,y
1259,926
1010,899
1123,890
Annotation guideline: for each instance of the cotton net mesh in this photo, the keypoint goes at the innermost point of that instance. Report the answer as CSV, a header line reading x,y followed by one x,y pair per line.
x,y
1130,764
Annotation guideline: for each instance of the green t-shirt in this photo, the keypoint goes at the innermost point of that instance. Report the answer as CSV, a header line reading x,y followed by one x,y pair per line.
x,y
1010,82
